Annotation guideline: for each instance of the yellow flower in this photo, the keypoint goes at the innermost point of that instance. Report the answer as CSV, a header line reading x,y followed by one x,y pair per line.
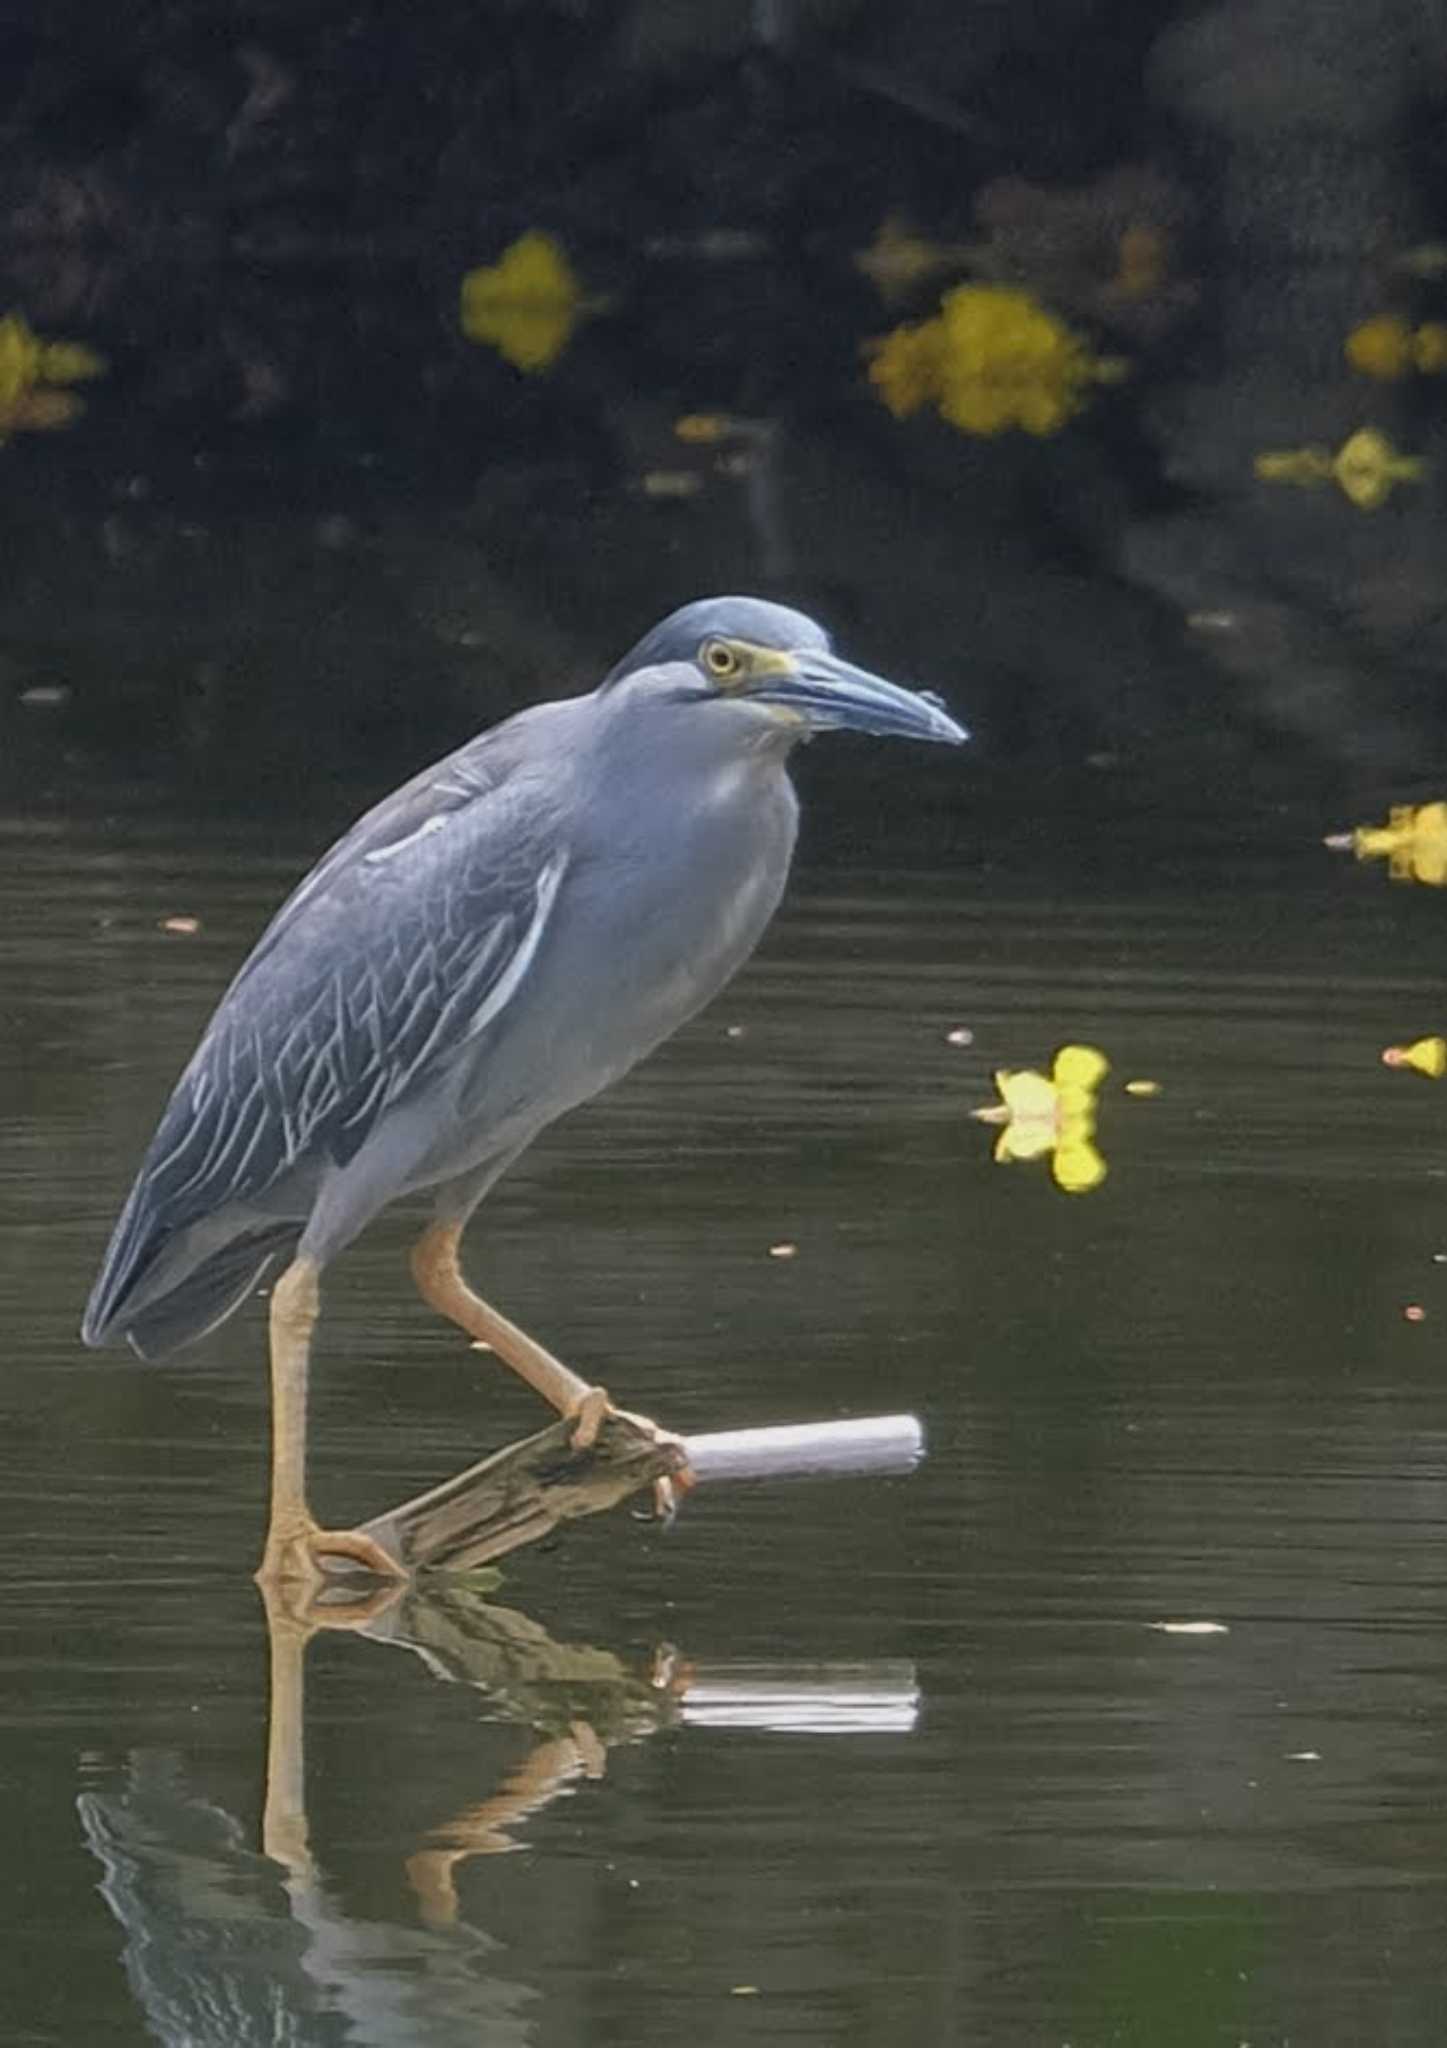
x,y
1368,465
1425,1055
525,305
906,367
1413,842
1052,1116
30,372
1365,468
1390,347
993,358
1381,347
1429,348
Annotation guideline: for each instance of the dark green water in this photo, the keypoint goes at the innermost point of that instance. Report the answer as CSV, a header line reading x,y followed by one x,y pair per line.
x,y
1023,1814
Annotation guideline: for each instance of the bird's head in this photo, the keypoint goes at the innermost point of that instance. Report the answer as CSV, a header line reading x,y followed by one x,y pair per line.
x,y
776,668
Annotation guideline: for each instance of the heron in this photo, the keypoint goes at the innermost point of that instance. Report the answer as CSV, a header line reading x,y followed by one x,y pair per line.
x,y
487,948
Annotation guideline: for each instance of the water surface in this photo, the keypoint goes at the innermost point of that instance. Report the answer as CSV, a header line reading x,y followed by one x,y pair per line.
x,y
944,1777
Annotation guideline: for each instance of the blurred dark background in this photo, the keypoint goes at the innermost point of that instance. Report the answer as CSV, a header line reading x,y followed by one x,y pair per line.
x,y
305,525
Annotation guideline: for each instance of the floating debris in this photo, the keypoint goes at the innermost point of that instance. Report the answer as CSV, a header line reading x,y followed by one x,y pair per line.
x,y
708,429
33,377
993,359
1424,1055
180,927
670,484
961,1035
710,245
1366,468
1052,1116
1189,1628
1414,1312
898,261
1142,1087
783,1251
1426,260
527,304
1413,842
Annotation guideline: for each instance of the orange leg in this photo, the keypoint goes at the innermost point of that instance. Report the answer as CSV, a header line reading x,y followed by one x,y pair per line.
x,y
440,1283
296,1546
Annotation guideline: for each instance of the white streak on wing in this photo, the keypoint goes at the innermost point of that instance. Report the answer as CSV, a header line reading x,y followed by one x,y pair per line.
x,y
376,1090
449,1025
423,831
503,989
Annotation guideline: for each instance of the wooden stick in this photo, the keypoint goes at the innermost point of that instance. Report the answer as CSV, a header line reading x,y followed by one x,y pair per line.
x,y
526,1491
521,1494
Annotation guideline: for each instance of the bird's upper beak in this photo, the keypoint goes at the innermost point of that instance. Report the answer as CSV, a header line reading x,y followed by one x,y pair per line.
x,y
831,695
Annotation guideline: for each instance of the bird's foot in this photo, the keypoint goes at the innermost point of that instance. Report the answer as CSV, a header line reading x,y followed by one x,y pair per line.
x,y
301,1554
588,1418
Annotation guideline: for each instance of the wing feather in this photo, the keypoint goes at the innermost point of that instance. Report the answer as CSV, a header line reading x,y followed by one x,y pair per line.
x,y
405,943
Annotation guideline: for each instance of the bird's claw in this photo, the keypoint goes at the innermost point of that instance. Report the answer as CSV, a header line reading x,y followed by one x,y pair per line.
x,y
311,1557
588,1418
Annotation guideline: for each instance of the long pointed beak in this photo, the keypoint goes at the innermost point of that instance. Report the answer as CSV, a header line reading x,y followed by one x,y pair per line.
x,y
831,695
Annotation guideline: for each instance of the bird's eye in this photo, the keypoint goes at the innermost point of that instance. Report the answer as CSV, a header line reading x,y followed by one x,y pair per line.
x,y
720,660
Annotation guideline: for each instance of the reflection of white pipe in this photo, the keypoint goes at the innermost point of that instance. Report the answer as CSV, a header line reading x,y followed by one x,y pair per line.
x,y
867,1443
814,1699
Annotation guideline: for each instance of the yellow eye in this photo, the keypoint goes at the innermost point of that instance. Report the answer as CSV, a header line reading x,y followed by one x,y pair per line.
x,y
720,660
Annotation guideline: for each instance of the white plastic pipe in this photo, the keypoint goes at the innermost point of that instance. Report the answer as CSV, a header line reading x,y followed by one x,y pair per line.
x,y
802,1450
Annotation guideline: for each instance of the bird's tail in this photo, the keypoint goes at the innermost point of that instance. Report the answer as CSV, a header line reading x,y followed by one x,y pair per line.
x,y
181,1291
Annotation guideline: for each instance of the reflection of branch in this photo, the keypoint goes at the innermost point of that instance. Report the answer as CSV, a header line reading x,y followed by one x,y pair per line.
x,y
529,1489
209,1958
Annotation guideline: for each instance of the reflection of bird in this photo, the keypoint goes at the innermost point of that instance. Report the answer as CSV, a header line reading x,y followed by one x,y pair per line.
x,y
218,1956
492,945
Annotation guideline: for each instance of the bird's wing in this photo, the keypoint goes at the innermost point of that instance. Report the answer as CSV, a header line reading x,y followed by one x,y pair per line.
x,y
420,807
402,946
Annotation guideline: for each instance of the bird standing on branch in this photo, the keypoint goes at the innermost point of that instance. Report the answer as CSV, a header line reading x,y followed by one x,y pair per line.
x,y
490,946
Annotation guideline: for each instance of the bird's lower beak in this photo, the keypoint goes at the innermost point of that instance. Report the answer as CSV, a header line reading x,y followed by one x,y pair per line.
x,y
831,695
